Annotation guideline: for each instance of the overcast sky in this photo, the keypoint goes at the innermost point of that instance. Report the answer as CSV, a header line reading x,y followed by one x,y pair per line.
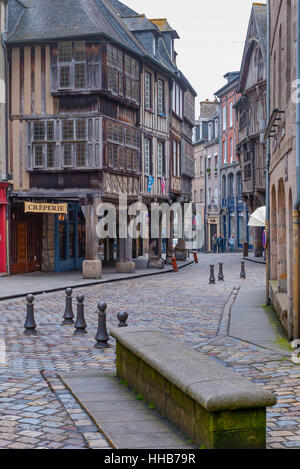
x,y
212,35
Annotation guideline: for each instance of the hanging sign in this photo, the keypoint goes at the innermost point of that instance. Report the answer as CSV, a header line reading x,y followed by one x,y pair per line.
x,y
35,207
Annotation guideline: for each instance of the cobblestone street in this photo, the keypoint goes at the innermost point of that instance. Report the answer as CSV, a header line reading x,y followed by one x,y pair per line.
x,y
37,411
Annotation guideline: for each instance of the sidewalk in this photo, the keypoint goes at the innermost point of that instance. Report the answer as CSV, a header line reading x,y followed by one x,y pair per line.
x,y
254,323
36,283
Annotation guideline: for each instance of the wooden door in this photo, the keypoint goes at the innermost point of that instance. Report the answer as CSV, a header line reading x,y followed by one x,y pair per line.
x,y
26,241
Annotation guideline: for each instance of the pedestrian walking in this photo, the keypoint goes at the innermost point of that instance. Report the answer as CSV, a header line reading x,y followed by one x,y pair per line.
x,y
220,244
232,243
214,243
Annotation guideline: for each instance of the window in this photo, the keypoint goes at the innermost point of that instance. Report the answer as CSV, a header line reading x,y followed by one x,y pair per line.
x,y
148,157
160,97
67,143
123,146
132,73
224,118
75,153
178,100
176,171
231,115
201,196
225,155
72,65
247,166
161,161
148,91
43,144
230,151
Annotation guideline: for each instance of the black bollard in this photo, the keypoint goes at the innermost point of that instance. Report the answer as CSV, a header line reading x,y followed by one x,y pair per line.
x,y
30,324
102,336
243,270
80,325
212,279
68,316
123,316
221,274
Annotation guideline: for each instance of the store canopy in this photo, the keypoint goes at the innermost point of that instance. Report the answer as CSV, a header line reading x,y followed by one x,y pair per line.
x,y
258,218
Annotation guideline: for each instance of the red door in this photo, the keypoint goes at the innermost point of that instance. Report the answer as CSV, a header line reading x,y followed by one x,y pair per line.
x,y
2,239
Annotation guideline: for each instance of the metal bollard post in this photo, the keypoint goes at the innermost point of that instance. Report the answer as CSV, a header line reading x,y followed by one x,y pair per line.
x,y
102,336
80,325
30,324
123,316
221,274
243,270
68,316
212,279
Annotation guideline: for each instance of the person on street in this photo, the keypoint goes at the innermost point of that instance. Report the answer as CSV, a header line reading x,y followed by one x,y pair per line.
x,y
214,243
220,244
232,243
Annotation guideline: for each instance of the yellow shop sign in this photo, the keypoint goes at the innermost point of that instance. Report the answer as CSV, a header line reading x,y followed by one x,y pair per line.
x,y
35,207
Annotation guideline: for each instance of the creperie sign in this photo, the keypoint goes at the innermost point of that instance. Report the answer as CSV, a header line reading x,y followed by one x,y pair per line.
x,y
33,207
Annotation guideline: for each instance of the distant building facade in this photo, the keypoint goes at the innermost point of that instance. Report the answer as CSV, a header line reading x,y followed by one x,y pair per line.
x,y
3,142
205,185
251,116
233,212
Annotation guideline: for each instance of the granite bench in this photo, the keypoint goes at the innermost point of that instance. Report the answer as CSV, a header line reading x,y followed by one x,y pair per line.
x,y
209,403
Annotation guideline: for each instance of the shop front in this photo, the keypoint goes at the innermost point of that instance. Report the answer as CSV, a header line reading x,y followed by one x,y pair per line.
x,y
70,239
3,205
46,236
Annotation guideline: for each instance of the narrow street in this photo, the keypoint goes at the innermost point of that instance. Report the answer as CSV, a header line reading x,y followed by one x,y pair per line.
x,y
37,411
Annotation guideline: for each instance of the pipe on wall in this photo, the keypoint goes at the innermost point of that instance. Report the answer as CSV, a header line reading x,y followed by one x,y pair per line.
x,y
268,157
296,211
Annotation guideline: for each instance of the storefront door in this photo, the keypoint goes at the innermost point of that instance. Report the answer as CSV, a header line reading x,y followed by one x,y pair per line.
x,y
26,241
2,239
70,239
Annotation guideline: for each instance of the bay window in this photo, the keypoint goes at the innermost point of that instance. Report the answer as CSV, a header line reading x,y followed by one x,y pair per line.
x,y
123,146
64,143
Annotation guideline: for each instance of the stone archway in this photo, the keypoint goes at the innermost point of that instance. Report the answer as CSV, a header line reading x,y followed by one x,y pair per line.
x,y
273,236
290,266
281,239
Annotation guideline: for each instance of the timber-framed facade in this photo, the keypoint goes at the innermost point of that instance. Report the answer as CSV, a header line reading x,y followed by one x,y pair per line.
x,y
90,119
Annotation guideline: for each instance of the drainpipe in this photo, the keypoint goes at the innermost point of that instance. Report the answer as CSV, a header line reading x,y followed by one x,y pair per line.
x,y
296,211
268,157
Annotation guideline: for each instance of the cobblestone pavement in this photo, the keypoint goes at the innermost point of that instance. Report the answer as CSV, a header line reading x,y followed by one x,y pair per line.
x,y
36,411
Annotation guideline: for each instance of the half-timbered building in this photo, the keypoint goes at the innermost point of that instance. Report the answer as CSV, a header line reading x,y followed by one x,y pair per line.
x,y
90,85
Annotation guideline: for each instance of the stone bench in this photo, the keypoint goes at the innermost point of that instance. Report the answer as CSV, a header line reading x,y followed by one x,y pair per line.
x,y
209,403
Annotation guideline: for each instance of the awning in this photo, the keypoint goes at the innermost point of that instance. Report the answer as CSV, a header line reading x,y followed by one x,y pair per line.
x,y
258,218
